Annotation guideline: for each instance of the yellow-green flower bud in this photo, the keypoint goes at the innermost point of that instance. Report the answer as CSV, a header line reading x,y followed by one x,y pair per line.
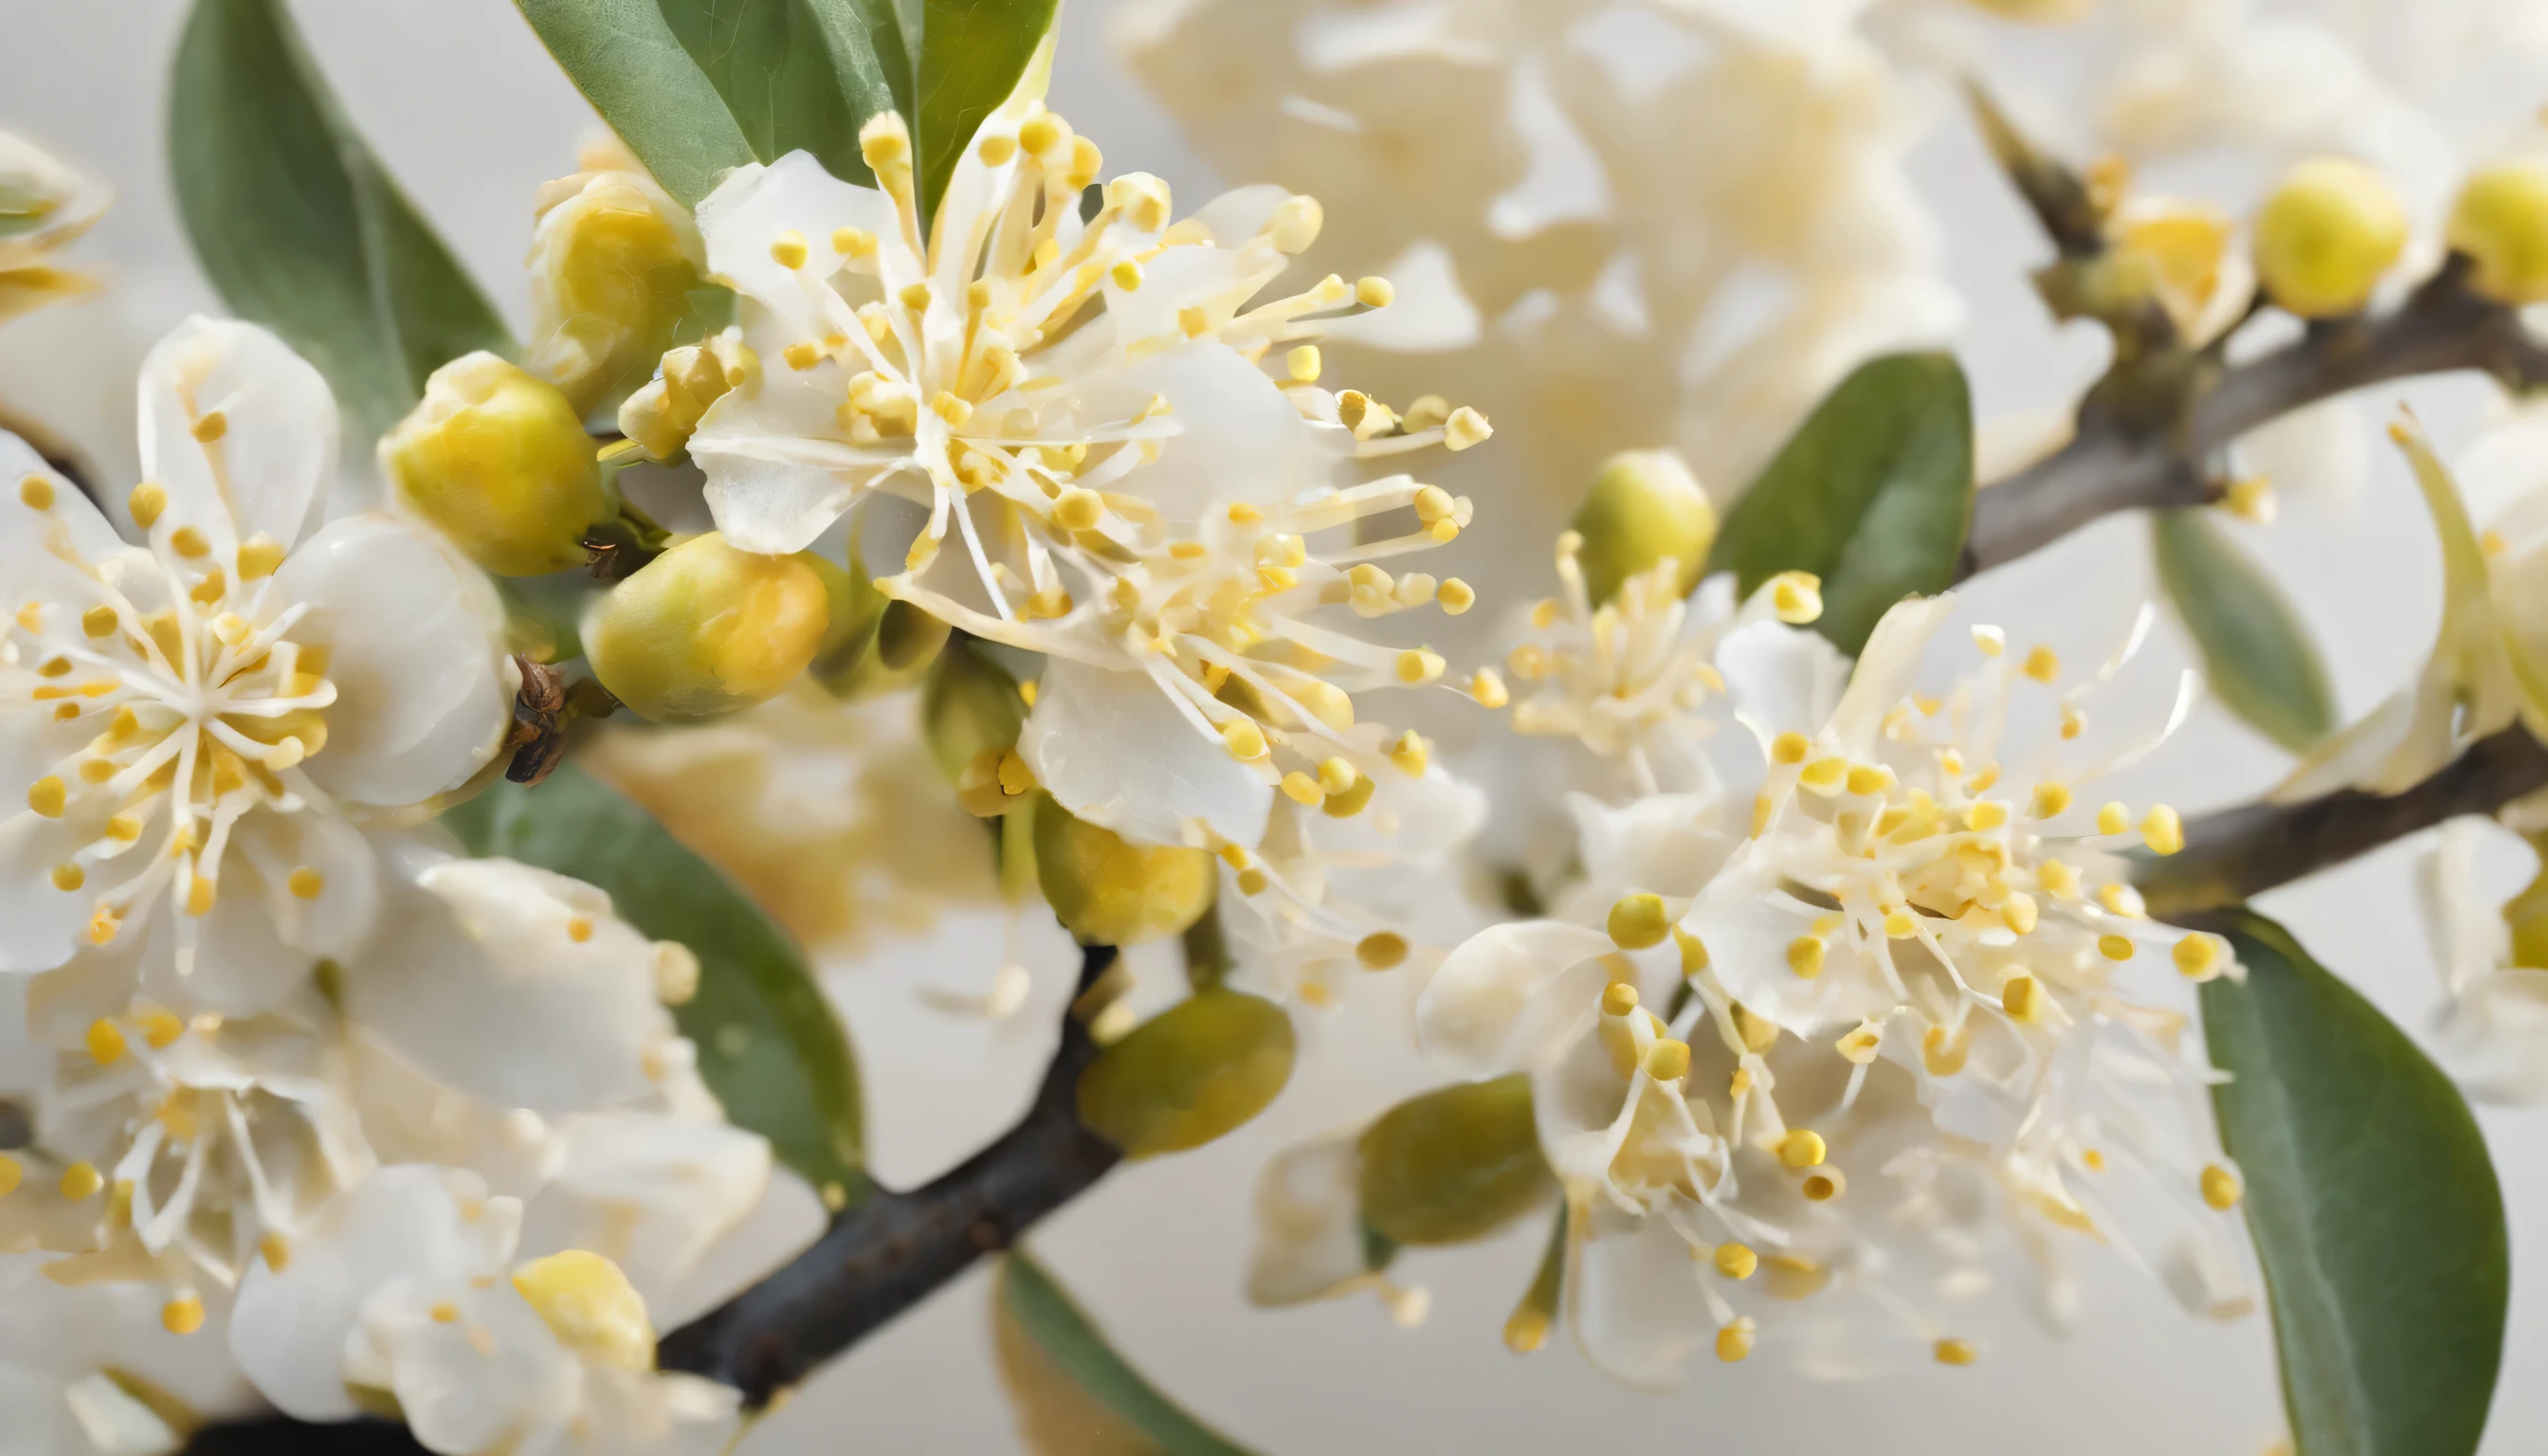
x,y
499,460
661,417
969,707
1644,506
706,629
613,260
2501,222
1453,1165
1188,1075
1109,892
2330,228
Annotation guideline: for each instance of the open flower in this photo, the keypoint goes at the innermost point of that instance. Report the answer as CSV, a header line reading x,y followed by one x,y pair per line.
x,y
76,1363
190,725
43,207
1627,679
2493,1022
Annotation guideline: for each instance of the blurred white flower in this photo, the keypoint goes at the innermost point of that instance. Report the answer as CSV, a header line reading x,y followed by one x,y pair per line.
x,y
90,1372
1627,679
2493,1021
43,207
407,1286
190,725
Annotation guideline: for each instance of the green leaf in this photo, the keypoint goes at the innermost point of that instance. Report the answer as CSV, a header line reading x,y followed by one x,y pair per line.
x,y
968,56
770,1047
623,56
1872,494
2256,651
2374,1207
297,227
1074,1396
797,74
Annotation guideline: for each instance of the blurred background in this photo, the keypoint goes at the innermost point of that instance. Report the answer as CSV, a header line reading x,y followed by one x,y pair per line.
x,y
471,117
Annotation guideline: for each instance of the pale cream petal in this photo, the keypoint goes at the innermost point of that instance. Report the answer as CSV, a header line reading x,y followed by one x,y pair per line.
x,y
1472,1010
267,470
1112,750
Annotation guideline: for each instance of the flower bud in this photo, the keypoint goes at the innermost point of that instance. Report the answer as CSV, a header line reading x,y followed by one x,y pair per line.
x,y
1109,892
706,629
1453,1165
499,461
2324,236
614,259
43,207
969,707
660,416
1644,506
2501,222
1188,1075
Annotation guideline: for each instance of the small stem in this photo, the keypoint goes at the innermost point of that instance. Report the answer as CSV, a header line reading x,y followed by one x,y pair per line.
x,y
895,1249
2112,466
2235,853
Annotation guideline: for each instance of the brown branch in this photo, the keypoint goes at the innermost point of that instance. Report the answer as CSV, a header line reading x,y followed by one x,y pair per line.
x,y
2235,853
2113,464
897,1249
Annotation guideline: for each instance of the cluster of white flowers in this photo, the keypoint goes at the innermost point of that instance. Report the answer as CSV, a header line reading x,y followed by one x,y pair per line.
x,y
289,1075
1907,1028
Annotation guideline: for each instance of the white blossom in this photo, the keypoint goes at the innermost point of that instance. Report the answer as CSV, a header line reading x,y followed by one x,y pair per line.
x,y
2493,1021
44,205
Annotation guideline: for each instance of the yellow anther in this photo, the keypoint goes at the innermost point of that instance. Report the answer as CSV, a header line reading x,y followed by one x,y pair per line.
x,y
2162,830
11,1173
1464,428
2017,912
1859,1044
98,622
276,1251
1870,778
1824,1185
579,929
1901,925
1382,950
1985,814
1991,641
1253,881
949,407
105,1043
1668,1061
1797,596
1803,1148
1125,275
201,895
304,882
801,355
1411,753
788,249
2197,956
2093,1160
996,149
47,796
2114,818
2073,721
1639,921
2021,999
853,242
1418,664
68,876
1374,292
1619,998
2221,1187
81,1180
1300,788
2058,879
150,499
2050,798
1295,225
1739,1082
1456,597
35,491
913,295
1735,1260
1943,1055
2041,664
160,1027
1805,956
1336,775
1788,748
1245,740
1956,1352
183,1314
1077,508
1693,952
1734,1341
1487,688
2114,948
1303,364
2120,899
1825,776
190,542
124,828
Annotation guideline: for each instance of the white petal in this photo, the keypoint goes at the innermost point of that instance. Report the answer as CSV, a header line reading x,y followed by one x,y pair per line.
x,y
2468,940
1471,1010
1783,678
1114,751
26,534
779,468
456,1396
1634,1300
1241,213
754,205
1667,844
1239,438
1886,667
1747,923
273,846
458,936
650,1193
1308,1241
414,633
266,471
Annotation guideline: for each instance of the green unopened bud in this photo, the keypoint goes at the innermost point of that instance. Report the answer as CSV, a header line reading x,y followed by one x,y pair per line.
x,y
2501,222
1644,506
613,260
907,636
2330,228
1453,1165
1188,1075
661,417
969,707
499,461
1109,892
706,629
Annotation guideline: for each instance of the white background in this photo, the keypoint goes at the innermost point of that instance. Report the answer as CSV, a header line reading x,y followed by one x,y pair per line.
x,y
471,117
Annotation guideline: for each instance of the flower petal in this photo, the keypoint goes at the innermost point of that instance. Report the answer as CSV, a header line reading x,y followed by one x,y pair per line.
x,y
650,1193
1783,678
754,205
263,471
1634,1300
1114,751
1471,1010
1309,1242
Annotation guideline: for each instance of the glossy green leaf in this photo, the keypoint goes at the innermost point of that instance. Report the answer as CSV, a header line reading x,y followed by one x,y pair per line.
x,y
968,57
797,74
768,1044
2256,651
625,58
1872,494
1074,1396
296,224
2373,1204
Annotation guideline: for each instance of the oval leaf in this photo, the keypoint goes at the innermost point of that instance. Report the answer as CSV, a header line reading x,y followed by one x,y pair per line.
x,y
1073,1395
2255,649
625,58
968,56
768,1046
297,227
1872,494
797,74
2373,1204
